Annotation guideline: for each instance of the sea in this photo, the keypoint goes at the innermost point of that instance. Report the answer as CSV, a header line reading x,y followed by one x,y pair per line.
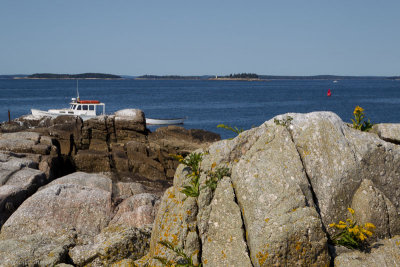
x,y
207,103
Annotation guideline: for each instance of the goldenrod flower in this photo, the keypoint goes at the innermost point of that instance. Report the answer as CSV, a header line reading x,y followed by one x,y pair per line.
x,y
332,225
358,110
342,222
341,226
368,232
362,237
370,226
356,230
351,210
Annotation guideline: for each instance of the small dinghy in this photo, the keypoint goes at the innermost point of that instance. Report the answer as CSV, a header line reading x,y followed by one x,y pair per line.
x,y
150,121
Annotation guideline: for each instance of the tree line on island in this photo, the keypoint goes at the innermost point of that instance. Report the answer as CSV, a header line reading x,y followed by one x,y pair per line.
x,y
73,76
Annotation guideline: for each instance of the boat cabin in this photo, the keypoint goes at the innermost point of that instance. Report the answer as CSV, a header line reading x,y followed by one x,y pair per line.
x,y
86,107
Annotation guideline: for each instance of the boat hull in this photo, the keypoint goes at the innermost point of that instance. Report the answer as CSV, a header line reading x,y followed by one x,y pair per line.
x,y
42,113
150,121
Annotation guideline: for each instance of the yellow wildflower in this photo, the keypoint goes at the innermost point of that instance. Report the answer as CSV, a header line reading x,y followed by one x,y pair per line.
x,y
370,226
342,222
351,210
356,230
368,232
357,110
341,226
362,237
332,225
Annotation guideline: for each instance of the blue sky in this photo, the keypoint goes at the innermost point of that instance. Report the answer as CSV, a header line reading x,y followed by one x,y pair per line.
x,y
308,37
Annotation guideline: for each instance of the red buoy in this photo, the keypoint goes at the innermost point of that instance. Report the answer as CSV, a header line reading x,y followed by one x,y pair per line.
x,y
329,92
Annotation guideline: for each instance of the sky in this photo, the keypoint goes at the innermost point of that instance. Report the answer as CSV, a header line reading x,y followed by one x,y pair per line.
x,y
297,37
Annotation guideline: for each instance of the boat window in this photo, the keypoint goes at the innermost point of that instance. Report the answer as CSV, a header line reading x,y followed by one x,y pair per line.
x,y
91,107
84,107
70,112
62,111
79,107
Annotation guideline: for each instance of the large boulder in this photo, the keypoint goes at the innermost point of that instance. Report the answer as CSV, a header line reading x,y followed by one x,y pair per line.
x,y
59,208
290,178
112,245
20,176
37,249
338,158
92,180
388,131
80,218
137,211
127,122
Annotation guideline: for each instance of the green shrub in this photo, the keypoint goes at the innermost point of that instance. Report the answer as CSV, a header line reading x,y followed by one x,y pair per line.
x,y
193,162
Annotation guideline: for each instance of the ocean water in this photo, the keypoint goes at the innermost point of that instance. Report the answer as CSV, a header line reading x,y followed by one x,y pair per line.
x,y
209,103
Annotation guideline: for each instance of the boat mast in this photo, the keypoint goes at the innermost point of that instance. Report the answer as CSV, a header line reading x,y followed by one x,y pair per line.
x,y
77,90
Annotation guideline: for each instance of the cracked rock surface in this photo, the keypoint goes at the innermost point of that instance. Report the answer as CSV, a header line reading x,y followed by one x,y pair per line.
x,y
289,179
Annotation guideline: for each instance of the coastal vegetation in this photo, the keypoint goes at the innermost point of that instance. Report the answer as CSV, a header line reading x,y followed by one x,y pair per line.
x,y
359,121
352,235
193,163
284,122
73,76
184,261
234,129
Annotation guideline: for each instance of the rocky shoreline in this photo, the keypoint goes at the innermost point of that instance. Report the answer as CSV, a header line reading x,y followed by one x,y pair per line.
x,y
106,191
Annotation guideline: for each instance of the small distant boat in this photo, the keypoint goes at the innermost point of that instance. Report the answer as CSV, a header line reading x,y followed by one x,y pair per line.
x,y
335,81
329,93
150,121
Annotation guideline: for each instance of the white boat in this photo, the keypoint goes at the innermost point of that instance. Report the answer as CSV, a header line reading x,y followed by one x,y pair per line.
x,y
85,109
150,121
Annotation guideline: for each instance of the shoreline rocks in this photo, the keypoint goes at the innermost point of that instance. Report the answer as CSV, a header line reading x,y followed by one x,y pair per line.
x,y
288,180
77,219
120,143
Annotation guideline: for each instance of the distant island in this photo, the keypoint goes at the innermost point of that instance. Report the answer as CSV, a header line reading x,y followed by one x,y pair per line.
x,y
172,77
72,76
229,77
238,77
257,77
